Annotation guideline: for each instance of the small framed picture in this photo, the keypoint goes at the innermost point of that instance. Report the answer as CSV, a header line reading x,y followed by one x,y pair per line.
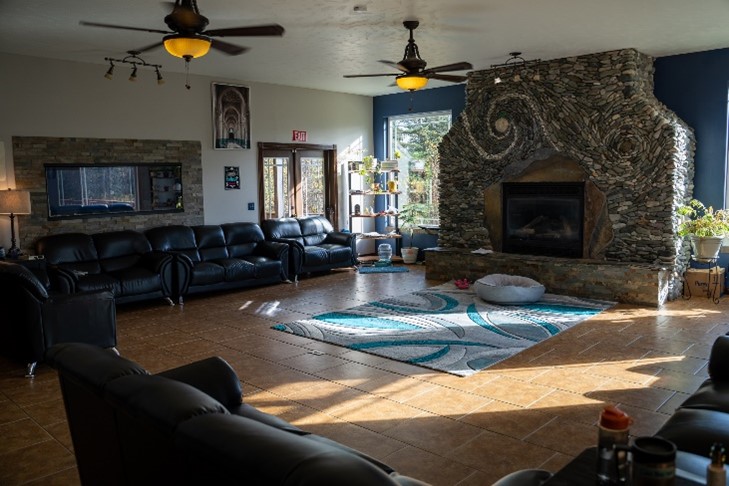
x,y
231,117
232,177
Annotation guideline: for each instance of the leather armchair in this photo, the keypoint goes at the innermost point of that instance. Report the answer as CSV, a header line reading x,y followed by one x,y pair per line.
x,y
33,320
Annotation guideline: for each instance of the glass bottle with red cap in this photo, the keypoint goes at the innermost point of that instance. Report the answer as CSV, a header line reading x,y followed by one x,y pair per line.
x,y
613,430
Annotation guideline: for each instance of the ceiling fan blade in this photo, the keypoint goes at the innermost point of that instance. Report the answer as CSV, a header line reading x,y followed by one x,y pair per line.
x,y
252,31
447,77
149,47
396,65
368,75
457,66
124,27
228,48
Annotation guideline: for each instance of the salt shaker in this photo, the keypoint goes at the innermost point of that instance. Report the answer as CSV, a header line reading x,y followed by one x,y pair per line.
x,y
715,474
613,430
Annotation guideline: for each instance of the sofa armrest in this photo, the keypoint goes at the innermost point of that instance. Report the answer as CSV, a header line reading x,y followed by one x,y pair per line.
x,y
719,360
273,249
213,376
340,238
62,280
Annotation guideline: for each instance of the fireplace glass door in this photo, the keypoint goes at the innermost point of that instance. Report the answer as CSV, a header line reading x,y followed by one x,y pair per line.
x,y
543,218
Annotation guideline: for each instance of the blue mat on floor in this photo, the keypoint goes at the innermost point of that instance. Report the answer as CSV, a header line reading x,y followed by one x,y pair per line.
x,y
382,269
445,328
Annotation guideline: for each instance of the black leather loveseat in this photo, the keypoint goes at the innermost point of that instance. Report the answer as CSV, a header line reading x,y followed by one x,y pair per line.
x,y
314,246
703,418
189,425
219,257
122,262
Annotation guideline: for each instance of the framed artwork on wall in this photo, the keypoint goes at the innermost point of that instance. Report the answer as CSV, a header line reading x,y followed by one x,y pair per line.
x,y
231,117
232,177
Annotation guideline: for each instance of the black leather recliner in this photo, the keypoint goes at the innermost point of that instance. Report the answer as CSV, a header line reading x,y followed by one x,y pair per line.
x,y
121,262
189,425
314,246
33,320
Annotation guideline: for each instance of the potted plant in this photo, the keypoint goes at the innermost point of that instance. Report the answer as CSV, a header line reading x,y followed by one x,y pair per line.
x,y
705,227
408,217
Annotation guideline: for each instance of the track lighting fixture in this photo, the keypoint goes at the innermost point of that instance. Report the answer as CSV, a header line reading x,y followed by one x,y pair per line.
x,y
136,62
519,66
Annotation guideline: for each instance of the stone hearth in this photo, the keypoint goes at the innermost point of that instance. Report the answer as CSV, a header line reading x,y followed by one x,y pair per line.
x,y
592,118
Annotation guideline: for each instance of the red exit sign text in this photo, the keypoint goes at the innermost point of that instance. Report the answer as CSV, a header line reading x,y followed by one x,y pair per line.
x,y
299,136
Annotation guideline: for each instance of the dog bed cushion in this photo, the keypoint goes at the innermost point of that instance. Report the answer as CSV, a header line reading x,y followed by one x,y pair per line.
x,y
508,289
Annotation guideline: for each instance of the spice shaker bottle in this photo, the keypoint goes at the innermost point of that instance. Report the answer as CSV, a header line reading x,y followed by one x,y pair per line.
x,y
613,430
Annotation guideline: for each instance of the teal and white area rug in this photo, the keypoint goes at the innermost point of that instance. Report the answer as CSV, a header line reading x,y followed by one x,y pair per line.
x,y
445,328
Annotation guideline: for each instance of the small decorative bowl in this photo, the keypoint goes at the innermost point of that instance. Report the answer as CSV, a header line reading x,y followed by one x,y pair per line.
x,y
462,283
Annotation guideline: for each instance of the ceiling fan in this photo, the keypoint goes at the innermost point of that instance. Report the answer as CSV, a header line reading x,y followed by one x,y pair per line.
x,y
188,38
413,75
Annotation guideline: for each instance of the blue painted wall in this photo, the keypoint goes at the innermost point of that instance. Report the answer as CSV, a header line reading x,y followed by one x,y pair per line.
x,y
695,87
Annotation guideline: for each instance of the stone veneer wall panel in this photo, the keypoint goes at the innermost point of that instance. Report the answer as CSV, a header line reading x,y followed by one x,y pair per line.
x,y
31,153
598,110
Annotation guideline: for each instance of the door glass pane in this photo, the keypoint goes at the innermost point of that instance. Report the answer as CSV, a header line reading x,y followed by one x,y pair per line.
x,y
276,188
312,185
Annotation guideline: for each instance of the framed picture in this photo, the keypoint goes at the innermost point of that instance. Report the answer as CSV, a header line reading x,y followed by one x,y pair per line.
x,y
231,117
232,177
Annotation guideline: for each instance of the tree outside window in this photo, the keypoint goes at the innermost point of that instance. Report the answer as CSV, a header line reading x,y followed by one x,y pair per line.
x,y
416,137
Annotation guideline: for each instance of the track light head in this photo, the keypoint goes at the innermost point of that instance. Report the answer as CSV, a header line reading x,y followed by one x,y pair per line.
x,y
160,79
110,72
133,77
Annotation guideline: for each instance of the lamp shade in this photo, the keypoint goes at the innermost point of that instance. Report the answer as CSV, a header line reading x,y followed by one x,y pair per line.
x,y
411,82
14,202
187,46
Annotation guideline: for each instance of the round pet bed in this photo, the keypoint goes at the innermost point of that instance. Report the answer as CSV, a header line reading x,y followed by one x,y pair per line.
x,y
508,289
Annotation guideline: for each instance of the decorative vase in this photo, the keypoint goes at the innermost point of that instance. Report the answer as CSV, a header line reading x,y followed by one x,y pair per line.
x,y
375,187
392,186
706,247
409,255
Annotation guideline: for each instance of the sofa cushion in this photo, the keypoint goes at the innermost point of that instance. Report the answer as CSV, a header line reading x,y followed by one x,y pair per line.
x,y
99,281
237,269
337,253
210,242
264,267
176,238
710,396
68,248
137,280
314,256
283,228
206,273
315,229
242,238
120,249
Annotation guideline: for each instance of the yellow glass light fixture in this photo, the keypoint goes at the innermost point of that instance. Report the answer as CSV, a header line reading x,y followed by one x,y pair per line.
x,y
411,82
187,46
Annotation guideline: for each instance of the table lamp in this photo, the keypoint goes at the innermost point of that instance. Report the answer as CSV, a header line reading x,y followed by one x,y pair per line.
x,y
12,203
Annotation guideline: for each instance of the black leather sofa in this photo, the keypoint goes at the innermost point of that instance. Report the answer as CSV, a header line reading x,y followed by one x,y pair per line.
x,y
219,257
32,320
314,246
122,262
703,418
189,425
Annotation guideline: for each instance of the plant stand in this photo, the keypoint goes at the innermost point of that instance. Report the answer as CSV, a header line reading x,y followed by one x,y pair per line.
x,y
713,275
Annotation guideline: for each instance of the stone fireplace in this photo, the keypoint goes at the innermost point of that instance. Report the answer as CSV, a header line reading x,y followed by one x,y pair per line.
x,y
592,122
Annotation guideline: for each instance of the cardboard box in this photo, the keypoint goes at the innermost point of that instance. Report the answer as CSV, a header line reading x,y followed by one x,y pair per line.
x,y
700,281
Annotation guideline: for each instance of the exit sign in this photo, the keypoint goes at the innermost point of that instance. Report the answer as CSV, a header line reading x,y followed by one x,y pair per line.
x,y
299,136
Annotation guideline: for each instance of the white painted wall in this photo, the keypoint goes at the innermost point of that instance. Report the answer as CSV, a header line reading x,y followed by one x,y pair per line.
x,y
43,97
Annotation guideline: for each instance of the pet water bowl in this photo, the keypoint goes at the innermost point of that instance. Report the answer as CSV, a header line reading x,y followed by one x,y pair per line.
x,y
508,289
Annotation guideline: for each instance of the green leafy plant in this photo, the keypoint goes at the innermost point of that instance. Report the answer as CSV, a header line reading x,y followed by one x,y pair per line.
x,y
409,215
702,221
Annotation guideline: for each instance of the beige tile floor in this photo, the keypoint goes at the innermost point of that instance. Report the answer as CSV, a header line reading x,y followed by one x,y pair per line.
x,y
537,409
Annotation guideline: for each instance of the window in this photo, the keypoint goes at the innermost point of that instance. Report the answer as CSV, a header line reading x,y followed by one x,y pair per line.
x,y
416,138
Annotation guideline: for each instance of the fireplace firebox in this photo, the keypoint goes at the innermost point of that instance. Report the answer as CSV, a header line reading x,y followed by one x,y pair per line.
x,y
543,218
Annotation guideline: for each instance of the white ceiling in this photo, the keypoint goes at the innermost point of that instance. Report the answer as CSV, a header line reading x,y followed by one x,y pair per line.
x,y
326,39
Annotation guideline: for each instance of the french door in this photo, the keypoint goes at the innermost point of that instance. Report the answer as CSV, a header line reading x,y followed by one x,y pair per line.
x,y
297,180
